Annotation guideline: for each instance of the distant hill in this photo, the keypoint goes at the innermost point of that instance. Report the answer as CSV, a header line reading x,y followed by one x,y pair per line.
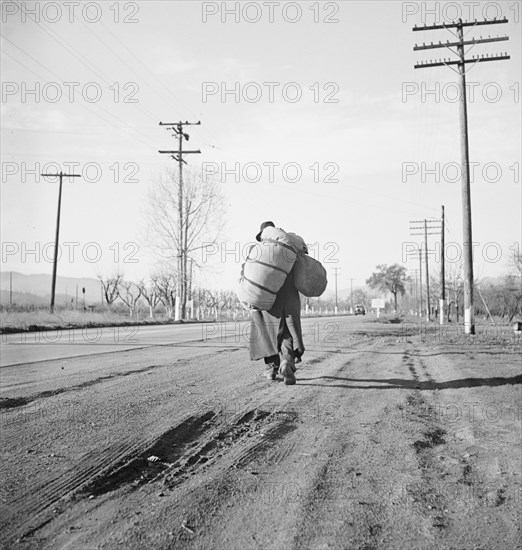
x,y
36,289
23,299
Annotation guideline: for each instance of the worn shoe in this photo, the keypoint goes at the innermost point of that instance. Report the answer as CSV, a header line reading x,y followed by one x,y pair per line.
x,y
286,370
271,372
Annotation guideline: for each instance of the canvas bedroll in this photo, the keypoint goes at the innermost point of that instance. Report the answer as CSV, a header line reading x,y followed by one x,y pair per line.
x,y
266,268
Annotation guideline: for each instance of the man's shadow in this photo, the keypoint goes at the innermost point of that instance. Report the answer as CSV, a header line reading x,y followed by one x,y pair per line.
x,y
395,383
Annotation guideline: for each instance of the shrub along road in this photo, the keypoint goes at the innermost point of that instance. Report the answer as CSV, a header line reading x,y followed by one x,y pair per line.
x,y
392,438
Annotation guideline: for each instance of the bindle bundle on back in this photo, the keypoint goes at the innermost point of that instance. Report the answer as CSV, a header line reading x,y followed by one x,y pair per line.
x,y
267,265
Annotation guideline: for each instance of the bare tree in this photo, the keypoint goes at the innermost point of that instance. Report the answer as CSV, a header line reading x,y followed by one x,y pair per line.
x,y
151,294
511,296
228,302
165,284
130,294
435,289
455,287
213,299
110,287
202,213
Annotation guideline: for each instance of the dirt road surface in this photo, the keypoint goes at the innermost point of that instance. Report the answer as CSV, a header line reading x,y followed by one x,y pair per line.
x,y
394,437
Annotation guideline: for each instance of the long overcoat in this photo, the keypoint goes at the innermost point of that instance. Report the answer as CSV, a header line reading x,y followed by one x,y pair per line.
x,y
269,327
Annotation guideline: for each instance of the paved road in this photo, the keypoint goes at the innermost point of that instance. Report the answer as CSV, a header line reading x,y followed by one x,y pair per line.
x,y
33,347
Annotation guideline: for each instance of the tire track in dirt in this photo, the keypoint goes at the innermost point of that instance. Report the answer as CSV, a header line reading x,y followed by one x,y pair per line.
x,y
32,511
252,434
433,435
459,477
226,445
361,506
349,503
29,512
92,470
164,453
472,471
180,452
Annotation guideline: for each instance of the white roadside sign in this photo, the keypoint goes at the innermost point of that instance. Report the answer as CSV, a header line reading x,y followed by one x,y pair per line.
x,y
378,304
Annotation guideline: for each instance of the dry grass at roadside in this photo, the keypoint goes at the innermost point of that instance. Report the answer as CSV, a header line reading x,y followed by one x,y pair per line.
x,y
21,321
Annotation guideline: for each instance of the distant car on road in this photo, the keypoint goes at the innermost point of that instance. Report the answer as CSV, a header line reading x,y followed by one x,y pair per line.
x,y
359,310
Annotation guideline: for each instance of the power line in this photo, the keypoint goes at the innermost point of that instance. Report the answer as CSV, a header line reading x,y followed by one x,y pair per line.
x,y
461,62
425,234
442,306
85,106
177,127
154,77
336,273
62,42
122,60
61,175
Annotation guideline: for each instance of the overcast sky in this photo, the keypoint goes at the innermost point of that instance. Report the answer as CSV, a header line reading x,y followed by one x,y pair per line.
x,y
364,118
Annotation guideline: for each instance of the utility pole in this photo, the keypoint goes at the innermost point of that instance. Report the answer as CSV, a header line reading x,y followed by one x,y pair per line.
x,y
190,295
428,312
418,294
177,127
442,306
469,321
425,233
61,175
351,295
420,282
336,270
416,291
10,288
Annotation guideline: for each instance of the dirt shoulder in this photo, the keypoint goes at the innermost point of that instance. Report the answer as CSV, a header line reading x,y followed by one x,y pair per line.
x,y
386,441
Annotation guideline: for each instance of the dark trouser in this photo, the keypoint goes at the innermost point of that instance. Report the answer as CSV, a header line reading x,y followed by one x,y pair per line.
x,y
285,347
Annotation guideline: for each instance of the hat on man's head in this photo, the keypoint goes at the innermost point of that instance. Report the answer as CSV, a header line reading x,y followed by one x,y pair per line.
x,y
263,226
